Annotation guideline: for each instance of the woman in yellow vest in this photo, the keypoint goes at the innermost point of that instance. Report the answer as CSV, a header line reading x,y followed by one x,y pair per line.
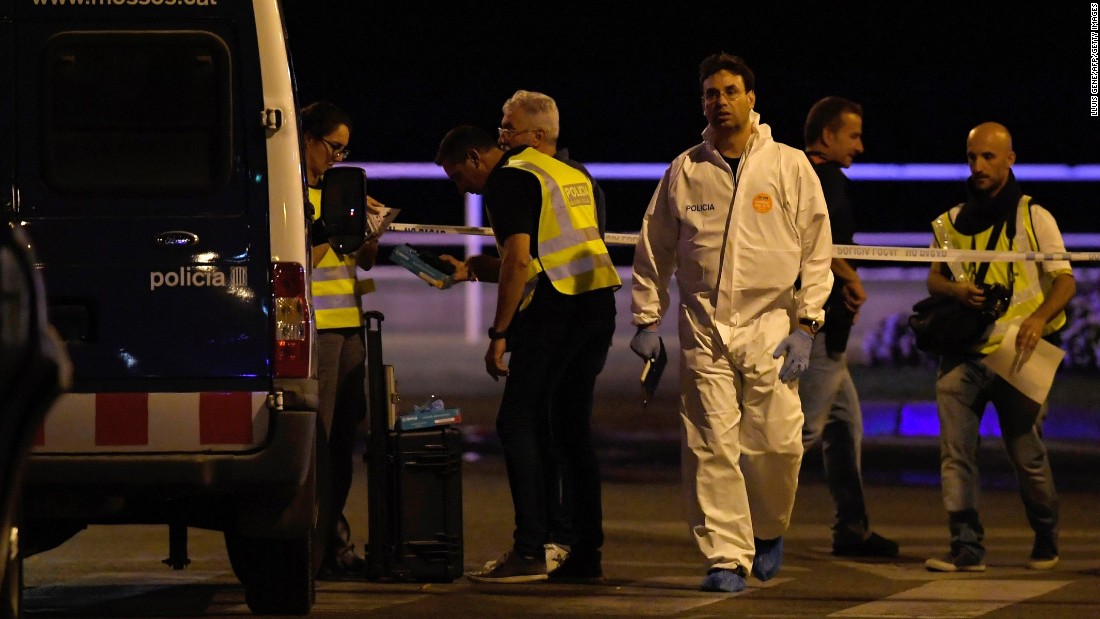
x,y
338,286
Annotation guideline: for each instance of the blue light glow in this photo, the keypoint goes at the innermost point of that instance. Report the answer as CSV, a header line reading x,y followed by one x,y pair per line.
x,y
922,419
889,172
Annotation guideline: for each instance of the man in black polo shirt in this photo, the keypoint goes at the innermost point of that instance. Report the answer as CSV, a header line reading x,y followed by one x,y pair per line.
x,y
834,137
555,313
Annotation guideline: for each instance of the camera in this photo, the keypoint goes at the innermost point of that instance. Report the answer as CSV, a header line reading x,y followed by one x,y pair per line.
x,y
997,300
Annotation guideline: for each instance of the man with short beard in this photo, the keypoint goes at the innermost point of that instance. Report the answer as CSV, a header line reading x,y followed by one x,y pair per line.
x,y
1039,293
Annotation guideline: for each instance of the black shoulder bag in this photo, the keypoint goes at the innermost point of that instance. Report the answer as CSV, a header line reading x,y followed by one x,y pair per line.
x,y
945,326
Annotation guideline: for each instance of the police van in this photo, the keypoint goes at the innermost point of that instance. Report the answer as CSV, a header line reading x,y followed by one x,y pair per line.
x,y
151,151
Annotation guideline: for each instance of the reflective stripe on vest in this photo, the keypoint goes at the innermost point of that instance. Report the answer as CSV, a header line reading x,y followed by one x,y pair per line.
x,y
571,251
336,286
1027,284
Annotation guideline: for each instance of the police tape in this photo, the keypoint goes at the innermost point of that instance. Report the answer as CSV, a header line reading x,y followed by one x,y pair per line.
x,y
852,252
931,254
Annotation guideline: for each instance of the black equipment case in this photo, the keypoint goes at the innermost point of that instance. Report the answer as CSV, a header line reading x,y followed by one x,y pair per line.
x,y
427,493
414,487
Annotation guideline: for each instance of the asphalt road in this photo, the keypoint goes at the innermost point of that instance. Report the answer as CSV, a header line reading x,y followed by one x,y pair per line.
x,y
650,561
652,567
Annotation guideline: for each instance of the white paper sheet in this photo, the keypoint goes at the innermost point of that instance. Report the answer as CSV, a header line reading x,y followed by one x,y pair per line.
x,y
1033,373
378,223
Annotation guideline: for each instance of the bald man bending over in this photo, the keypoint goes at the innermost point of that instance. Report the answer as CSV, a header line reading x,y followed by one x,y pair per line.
x,y
1032,295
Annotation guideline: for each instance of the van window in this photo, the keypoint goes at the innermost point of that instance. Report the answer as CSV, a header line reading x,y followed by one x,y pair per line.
x,y
136,114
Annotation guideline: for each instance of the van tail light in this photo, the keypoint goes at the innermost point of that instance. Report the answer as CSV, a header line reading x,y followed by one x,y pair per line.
x,y
292,319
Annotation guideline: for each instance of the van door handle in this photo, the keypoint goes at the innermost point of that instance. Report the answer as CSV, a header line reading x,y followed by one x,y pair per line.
x,y
177,238
272,119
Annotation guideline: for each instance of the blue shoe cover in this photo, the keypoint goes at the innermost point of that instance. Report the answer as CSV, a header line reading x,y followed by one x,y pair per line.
x,y
769,556
723,580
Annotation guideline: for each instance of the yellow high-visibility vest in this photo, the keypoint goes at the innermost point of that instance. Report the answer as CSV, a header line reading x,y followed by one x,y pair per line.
x,y
571,251
1028,287
337,287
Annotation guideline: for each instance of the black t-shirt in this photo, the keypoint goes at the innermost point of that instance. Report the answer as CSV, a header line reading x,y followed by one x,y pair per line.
x,y
733,163
835,185
513,200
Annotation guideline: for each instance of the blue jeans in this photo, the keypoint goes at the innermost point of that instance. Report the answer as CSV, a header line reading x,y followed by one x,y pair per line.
x,y
964,385
830,405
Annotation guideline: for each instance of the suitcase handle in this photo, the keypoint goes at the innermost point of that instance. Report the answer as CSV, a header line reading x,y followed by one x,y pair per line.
x,y
373,315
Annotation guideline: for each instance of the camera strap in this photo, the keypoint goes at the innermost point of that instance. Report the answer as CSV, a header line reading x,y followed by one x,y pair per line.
x,y
983,268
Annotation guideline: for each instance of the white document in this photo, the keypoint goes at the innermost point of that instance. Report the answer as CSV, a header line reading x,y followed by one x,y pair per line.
x,y
1031,373
377,223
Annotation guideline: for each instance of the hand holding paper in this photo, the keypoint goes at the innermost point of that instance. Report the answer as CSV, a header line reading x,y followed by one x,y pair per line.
x,y
1032,373
379,218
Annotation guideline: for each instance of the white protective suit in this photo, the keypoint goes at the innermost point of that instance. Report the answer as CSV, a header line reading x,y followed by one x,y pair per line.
x,y
736,273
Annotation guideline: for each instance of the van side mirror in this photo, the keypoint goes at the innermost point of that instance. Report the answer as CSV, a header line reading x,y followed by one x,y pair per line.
x,y
344,208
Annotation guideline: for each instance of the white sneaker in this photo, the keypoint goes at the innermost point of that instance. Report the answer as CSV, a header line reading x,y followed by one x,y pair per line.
x,y
555,554
1042,563
511,567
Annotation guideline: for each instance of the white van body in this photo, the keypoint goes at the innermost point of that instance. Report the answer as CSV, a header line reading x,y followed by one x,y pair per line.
x,y
153,155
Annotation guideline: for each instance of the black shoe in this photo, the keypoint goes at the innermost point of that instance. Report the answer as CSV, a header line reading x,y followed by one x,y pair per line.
x,y
874,546
579,566
1044,554
965,559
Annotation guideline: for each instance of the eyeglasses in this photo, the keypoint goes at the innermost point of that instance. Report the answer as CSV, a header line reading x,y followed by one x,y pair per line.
x,y
339,151
731,94
507,134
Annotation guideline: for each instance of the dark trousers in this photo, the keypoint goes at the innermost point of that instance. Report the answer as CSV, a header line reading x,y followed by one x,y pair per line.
x,y
342,398
558,347
833,415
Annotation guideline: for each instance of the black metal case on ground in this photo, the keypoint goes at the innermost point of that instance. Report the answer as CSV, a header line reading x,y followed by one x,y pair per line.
x,y
427,504
414,487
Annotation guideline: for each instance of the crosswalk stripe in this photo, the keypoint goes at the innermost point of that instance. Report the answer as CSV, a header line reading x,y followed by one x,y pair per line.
x,y
953,598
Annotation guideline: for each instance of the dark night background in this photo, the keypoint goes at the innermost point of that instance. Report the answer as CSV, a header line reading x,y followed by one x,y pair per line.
x,y
624,76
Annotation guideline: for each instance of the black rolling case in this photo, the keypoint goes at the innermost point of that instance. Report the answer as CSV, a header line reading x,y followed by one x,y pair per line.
x,y
414,487
427,493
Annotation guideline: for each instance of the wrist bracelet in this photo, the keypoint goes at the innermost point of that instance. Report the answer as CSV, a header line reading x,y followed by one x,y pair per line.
x,y
497,335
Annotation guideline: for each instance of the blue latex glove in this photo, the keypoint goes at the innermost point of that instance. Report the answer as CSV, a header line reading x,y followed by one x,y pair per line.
x,y
646,344
797,348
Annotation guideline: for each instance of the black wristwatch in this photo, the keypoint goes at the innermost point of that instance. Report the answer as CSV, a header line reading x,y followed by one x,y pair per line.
x,y
497,335
814,325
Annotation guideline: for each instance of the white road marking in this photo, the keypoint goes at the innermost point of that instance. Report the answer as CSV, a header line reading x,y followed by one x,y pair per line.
x,y
652,597
949,599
